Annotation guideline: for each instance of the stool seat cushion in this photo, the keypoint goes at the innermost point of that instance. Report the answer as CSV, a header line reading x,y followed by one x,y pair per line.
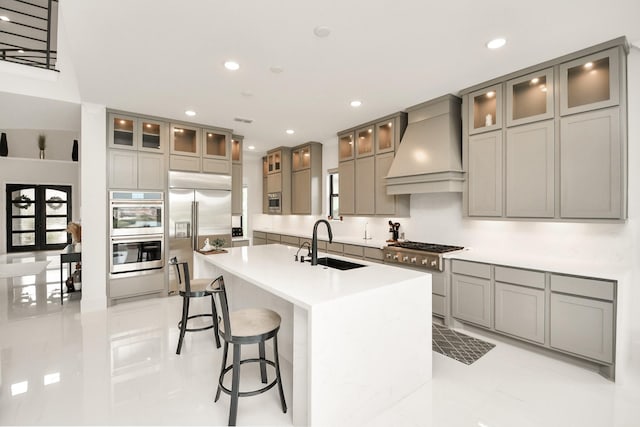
x,y
251,322
198,285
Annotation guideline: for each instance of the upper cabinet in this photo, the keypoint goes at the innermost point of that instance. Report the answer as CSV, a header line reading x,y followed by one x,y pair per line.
x,y
385,137
558,151
364,141
195,149
136,133
301,158
346,146
236,148
185,140
590,82
485,109
306,179
215,145
530,98
274,162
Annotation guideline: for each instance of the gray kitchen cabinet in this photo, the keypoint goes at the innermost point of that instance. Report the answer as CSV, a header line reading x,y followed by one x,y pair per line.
x,y
365,186
128,287
387,204
306,179
335,248
582,326
136,133
185,163
259,238
373,254
591,165
530,170
471,299
123,169
239,243
274,183
185,140
216,144
485,109
365,143
439,294
236,189
218,166
152,172
236,148
346,149
530,98
279,177
519,311
590,82
265,187
347,190
273,238
485,174
195,149
290,240
353,251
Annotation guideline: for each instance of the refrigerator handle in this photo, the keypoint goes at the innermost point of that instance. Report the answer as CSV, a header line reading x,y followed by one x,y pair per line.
x,y
194,224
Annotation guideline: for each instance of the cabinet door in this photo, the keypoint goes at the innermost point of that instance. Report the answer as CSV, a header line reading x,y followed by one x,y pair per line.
x,y
123,131
590,83
485,174
265,197
236,189
471,299
591,165
236,149
301,194
386,136
220,166
152,136
274,162
185,140
485,110
216,144
123,169
346,195
530,171
185,163
365,186
365,141
385,204
519,311
530,98
301,159
151,171
274,183
582,326
346,147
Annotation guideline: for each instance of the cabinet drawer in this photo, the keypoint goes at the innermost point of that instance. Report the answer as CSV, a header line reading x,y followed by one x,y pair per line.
x,y
592,288
438,284
322,245
471,268
260,234
239,243
259,241
374,254
353,250
184,163
273,237
290,240
336,248
216,166
517,276
437,305
137,285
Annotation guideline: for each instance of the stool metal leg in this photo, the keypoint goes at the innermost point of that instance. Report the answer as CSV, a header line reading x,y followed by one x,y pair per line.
x,y
183,323
263,366
214,313
235,385
222,368
278,378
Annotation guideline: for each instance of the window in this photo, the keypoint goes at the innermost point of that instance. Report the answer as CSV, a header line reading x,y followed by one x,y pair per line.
x,y
334,200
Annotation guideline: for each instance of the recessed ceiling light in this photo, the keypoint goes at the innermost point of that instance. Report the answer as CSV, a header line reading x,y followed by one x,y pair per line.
x,y
190,113
290,131
251,147
322,31
276,69
356,103
4,18
496,43
231,65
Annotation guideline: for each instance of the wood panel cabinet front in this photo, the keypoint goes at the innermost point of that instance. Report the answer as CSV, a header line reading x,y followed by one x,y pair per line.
x,y
300,192
471,299
123,169
347,184
384,204
520,311
152,171
485,174
236,189
365,186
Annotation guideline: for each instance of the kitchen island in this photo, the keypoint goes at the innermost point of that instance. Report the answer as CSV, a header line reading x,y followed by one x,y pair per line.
x,y
358,340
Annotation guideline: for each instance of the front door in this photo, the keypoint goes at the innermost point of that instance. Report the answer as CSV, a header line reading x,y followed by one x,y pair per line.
x,y
37,217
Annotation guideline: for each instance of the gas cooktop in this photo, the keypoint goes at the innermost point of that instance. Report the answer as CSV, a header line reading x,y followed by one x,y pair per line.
x,y
417,254
427,247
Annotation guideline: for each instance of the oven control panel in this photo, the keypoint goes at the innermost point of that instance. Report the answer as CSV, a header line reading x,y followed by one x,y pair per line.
x,y
413,258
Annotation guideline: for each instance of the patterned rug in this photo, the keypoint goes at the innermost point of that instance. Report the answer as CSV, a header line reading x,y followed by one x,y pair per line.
x,y
460,347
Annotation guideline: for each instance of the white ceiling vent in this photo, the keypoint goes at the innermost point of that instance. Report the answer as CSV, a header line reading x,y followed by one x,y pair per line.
x,y
241,120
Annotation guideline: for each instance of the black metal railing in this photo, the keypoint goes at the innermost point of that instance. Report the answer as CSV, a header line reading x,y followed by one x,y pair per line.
x,y
28,32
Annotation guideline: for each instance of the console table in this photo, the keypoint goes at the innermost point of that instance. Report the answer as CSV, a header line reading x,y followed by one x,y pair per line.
x,y
70,254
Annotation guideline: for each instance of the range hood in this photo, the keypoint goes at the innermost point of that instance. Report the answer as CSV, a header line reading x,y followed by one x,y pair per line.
x,y
429,158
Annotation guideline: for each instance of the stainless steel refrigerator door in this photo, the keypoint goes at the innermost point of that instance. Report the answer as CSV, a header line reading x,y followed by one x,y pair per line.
x,y
214,216
181,231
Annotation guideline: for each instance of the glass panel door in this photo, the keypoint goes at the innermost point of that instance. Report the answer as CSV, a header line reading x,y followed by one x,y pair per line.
x,y
37,217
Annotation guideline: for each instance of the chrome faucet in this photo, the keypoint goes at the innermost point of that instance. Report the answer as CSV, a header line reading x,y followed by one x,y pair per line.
x,y
314,240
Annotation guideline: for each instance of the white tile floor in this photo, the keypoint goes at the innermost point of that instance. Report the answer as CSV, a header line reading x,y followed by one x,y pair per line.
x,y
119,367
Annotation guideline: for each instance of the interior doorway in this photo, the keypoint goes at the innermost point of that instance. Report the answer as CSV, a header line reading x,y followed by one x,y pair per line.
x,y
37,217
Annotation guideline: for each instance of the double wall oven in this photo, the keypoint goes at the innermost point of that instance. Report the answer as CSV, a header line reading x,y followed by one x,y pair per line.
x,y
137,231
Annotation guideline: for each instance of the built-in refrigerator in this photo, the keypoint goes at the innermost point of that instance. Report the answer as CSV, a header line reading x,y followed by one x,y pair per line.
x,y
199,208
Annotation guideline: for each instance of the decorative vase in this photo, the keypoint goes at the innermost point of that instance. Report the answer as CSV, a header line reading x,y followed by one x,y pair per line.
x,y
74,151
42,154
4,148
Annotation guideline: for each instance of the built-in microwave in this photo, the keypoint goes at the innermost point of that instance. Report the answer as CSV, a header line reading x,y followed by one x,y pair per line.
x,y
275,202
136,213
131,253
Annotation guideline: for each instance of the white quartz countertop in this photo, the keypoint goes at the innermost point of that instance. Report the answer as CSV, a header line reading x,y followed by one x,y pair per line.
x,y
272,267
351,240
563,265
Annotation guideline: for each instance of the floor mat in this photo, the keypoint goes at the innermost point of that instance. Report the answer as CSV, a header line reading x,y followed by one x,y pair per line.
x,y
460,347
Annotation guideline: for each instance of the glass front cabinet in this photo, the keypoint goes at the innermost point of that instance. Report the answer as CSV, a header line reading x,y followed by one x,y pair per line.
x,y
365,141
185,140
236,148
135,133
530,98
345,146
485,109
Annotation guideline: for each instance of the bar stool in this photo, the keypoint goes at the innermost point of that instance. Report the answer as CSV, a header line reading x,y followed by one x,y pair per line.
x,y
247,326
195,288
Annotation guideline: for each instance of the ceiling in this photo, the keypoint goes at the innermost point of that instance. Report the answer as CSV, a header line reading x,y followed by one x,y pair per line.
x,y
161,57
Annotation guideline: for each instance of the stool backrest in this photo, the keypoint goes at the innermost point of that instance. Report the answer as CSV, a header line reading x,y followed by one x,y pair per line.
x,y
185,271
224,305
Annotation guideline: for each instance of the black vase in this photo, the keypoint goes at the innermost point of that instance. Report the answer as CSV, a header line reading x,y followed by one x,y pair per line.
x,y
4,149
74,151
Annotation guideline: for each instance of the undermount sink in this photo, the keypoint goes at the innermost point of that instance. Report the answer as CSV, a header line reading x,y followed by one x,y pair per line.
x,y
338,263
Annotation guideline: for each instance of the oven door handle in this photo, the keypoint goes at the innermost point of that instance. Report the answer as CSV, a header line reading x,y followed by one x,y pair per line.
x,y
134,239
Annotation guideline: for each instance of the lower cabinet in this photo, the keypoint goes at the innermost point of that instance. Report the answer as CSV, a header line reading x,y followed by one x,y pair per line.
x,y
438,294
239,243
471,299
519,311
259,238
128,287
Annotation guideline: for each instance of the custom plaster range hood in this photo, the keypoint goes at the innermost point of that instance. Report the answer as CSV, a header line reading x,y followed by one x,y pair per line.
x,y
429,158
